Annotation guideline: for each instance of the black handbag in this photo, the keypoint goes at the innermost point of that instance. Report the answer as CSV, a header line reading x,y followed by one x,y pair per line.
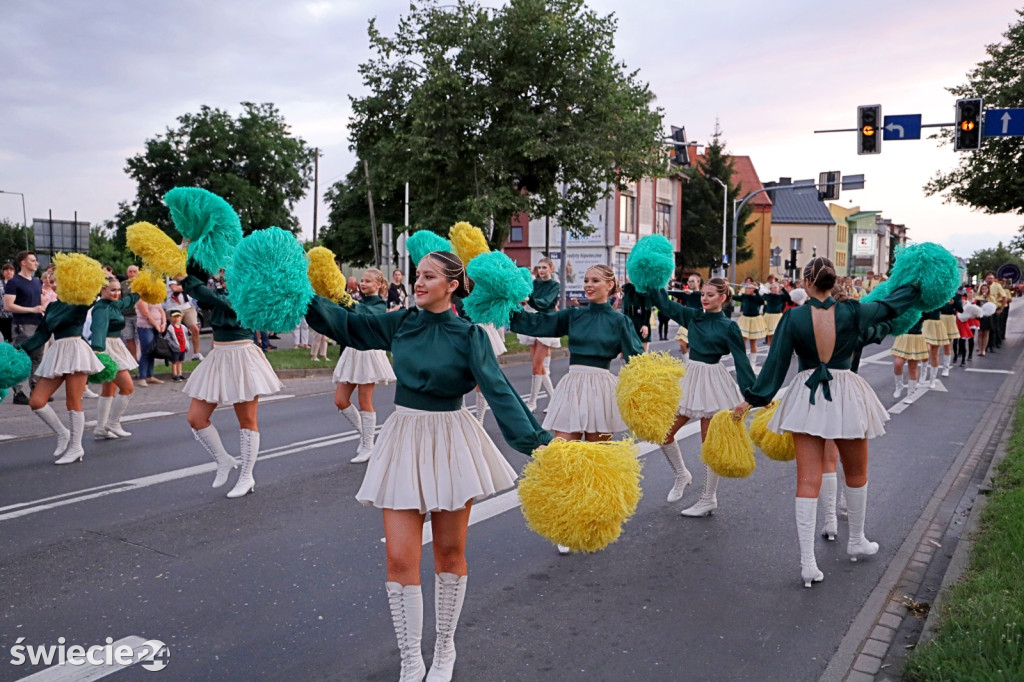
x,y
161,349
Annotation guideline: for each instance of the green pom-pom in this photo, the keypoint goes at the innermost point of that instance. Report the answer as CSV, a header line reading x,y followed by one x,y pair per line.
x,y
932,268
209,222
267,281
108,372
3,394
423,242
498,289
15,366
651,263
527,276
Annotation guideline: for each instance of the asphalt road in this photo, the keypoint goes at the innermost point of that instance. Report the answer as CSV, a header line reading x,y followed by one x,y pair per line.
x,y
288,583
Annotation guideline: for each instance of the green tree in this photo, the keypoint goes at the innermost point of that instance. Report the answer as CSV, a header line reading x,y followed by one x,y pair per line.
x,y
253,161
992,178
701,209
488,112
347,232
104,248
984,260
13,240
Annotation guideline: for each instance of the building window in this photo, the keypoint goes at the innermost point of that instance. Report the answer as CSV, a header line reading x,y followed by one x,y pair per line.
x,y
663,220
796,243
620,266
516,235
627,214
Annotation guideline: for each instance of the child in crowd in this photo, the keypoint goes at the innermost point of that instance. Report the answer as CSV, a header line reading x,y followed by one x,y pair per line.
x,y
177,336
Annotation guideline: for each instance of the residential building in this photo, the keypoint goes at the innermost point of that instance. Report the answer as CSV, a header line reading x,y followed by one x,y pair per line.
x,y
801,223
650,206
842,250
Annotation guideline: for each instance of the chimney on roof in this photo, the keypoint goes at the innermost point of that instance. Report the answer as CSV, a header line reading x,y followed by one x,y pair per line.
x,y
785,181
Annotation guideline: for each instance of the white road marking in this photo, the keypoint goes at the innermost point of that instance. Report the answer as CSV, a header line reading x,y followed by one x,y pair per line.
x,y
990,371
272,398
3,437
36,506
135,417
83,673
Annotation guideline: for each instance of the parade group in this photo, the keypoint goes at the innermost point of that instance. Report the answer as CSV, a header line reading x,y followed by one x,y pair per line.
x,y
432,455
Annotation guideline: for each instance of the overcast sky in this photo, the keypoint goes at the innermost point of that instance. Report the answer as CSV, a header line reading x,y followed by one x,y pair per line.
x,y
84,84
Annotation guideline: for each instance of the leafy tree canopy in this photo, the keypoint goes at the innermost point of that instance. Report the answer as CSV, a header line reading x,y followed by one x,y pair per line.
x,y
991,179
701,210
13,240
488,112
984,260
253,161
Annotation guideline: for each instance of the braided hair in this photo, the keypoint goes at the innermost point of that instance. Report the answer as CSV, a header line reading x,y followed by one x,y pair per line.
x,y
452,268
821,274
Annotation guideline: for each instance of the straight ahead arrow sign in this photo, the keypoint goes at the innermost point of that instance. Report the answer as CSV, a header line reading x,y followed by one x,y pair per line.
x,y
1004,123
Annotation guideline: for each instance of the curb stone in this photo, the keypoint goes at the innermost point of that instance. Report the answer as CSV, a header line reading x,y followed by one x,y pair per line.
x,y
866,652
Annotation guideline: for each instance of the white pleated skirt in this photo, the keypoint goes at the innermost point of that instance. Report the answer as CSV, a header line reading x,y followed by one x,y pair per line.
x,y
584,401
233,372
363,367
496,337
853,412
433,461
120,354
549,341
707,390
68,356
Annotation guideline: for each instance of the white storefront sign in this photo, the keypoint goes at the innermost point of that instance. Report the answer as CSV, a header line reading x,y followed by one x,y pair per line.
x,y
864,244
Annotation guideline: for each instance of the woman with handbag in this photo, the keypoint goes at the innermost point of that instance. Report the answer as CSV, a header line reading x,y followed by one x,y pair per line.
x,y
151,322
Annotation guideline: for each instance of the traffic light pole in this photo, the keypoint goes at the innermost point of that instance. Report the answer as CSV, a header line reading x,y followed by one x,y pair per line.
x,y
737,209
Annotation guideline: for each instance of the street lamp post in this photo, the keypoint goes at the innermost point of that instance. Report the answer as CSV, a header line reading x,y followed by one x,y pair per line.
x,y
725,228
24,214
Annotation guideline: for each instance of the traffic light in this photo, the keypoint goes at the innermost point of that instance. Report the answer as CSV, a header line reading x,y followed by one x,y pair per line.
x,y
681,156
967,135
828,185
869,129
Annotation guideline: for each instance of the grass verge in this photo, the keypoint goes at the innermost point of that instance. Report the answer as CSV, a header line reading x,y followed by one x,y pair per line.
x,y
980,635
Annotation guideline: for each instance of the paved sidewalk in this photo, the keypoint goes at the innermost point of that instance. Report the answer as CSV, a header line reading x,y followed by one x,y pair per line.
x,y
891,623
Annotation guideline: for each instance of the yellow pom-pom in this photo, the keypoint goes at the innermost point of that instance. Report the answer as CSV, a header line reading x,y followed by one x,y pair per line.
x,y
325,276
648,394
150,287
728,449
579,494
468,241
79,278
777,446
156,249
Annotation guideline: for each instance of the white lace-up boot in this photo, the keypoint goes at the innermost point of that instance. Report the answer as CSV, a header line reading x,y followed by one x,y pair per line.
x,y
250,443
352,415
827,496
898,383
406,604
806,518
74,453
367,428
116,412
683,475
708,502
858,545
535,383
103,406
209,438
449,593
50,418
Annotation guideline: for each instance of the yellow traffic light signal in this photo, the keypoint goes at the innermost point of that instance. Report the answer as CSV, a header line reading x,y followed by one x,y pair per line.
x,y
967,136
869,119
